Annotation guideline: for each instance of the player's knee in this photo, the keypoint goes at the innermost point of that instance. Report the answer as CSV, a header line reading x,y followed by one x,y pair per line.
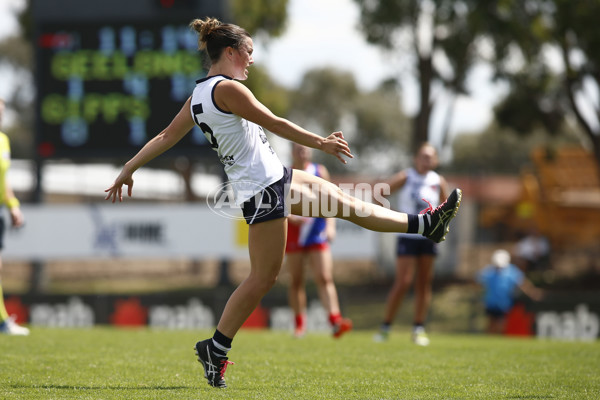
x,y
296,284
403,283
261,282
323,279
267,283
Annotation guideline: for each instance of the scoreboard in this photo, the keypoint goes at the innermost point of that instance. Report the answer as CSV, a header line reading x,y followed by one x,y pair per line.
x,y
107,85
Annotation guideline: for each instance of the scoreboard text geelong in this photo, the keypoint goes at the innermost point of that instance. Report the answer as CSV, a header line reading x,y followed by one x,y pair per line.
x,y
106,89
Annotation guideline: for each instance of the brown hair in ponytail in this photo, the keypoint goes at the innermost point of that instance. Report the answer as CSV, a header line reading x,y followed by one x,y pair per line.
x,y
214,36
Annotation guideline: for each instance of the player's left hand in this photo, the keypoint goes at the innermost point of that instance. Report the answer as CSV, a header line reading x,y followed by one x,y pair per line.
x,y
336,145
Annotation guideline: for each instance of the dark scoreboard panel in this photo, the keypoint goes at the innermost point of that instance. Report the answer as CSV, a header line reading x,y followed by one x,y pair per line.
x,y
106,88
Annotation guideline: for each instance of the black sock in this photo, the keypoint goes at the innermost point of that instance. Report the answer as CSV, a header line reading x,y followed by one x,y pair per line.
x,y
413,223
221,344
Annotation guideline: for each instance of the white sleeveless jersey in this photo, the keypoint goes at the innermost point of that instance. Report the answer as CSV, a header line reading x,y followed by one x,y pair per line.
x,y
416,188
249,160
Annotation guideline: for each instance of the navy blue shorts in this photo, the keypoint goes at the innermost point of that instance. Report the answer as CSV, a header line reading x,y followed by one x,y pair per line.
x,y
495,312
407,246
269,203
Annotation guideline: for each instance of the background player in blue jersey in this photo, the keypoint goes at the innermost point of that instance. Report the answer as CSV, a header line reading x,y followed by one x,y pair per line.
x,y
417,188
501,280
308,242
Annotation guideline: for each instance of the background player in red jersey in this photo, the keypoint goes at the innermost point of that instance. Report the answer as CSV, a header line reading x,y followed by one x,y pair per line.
x,y
308,242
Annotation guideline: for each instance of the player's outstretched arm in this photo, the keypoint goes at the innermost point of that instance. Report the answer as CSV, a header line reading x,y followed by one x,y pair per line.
x,y
234,97
177,129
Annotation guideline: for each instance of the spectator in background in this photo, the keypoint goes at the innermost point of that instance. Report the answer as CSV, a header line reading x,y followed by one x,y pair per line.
x,y
533,251
308,241
419,187
500,281
7,198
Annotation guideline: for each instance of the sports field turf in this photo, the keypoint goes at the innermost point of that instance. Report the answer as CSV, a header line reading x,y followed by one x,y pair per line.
x,y
107,363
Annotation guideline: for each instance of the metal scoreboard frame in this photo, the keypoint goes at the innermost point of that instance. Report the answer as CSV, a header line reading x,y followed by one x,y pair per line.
x,y
112,74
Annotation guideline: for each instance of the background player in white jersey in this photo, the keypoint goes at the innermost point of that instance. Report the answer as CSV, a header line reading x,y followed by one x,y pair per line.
x,y
232,120
419,187
308,242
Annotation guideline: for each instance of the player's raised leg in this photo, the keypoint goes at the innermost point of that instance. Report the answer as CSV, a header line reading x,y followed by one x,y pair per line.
x,y
316,197
313,196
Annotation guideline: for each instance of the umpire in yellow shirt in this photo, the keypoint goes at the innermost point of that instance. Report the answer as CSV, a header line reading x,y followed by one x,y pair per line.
x,y
8,325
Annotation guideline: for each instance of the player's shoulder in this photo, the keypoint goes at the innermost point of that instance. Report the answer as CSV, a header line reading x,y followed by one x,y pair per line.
x,y
213,82
232,89
321,169
404,174
515,270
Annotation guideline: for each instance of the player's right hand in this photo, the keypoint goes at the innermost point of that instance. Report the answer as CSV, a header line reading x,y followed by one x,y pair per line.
x,y
116,190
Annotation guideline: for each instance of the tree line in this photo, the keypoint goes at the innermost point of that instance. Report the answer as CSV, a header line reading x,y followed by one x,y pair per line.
x,y
545,51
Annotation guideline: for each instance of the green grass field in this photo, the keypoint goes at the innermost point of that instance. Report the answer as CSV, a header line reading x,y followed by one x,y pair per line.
x,y
107,363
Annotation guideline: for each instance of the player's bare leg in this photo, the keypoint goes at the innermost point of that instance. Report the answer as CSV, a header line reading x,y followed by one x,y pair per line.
x,y
403,279
296,292
423,278
312,196
322,267
266,243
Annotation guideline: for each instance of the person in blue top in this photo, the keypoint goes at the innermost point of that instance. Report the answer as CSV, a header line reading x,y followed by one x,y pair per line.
x,y
500,280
